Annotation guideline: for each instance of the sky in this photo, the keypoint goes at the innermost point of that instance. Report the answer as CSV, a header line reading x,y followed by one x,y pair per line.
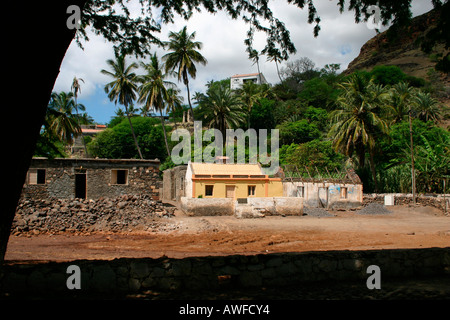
x,y
339,41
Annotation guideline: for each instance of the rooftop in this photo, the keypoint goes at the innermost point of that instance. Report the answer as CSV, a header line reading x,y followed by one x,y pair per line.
x,y
245,75
229,168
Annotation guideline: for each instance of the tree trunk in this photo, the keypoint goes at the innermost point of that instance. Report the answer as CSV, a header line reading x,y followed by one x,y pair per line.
x,y
259,72
134,136
186,82
86,155
52,44
372,169
278,72
165,134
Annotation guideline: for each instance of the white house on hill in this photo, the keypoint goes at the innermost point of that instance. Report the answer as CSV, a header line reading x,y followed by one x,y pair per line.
x,y
238,80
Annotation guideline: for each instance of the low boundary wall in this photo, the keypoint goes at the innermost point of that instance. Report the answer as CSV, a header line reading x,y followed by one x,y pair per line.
x,y
252,208
213,272
437,200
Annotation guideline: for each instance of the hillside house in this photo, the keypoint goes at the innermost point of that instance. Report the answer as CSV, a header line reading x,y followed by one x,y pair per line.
x,y
87,130
238,80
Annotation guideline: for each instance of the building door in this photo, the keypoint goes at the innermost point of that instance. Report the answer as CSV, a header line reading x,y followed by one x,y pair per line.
x,y
80,185
230,191
323,197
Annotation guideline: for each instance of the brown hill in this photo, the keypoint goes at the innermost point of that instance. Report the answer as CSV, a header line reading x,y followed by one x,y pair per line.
x,y
402,47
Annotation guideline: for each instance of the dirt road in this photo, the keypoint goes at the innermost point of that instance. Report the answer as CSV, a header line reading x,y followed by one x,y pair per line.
x,y
182,236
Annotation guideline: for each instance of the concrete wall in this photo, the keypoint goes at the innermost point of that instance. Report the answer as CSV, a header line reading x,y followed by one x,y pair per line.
x,y
326,194
207,207
60,176
206,273
174,185
253,208
277,205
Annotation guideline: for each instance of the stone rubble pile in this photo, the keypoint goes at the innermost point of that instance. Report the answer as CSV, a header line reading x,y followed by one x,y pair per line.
x,y
123,213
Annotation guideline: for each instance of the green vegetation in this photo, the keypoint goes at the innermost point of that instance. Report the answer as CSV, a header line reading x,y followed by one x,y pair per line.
x,y
327,121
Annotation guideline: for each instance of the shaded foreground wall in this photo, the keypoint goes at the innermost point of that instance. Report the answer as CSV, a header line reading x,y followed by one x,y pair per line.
x,y
238,271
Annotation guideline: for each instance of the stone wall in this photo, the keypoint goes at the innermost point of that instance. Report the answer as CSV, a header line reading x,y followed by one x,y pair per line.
x,y
60,178
436,201
322,194
237,271
122,213
174,183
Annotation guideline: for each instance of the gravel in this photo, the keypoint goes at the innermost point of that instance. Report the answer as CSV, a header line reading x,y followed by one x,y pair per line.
x,y
374,208
316,212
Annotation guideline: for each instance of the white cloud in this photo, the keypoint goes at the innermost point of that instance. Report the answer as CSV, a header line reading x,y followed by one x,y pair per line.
x,y
85,64
339,41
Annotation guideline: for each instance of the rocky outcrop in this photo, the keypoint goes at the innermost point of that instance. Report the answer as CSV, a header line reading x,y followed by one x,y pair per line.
x,y
401,48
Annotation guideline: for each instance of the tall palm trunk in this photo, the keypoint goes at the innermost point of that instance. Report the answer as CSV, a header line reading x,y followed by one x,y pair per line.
x,y
259,72
78,122
372,169
164,131
186,82
132,132
278,71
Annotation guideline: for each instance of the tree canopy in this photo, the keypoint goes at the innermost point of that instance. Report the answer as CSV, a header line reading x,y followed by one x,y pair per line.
x,y
112,19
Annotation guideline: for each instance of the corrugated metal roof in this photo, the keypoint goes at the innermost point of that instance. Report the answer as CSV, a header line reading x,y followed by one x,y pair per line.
x,y
217,168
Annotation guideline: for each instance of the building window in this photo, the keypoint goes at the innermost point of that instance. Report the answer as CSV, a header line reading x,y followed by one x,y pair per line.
x,y
209,190
251,190
119,176
300,191
36,176
343,192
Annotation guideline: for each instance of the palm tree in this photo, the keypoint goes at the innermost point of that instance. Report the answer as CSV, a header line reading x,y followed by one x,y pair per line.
x,y
221,108
153,90
62,122
174,101
77,87
123,88
357,123
273,54
254,56
426,107
250,94
183,56
401,99
119,113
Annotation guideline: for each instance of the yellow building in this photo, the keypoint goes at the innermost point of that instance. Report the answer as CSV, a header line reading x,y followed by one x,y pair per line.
x,y
212,180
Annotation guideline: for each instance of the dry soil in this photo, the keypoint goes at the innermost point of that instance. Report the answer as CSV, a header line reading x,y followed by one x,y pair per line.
x,y
182,236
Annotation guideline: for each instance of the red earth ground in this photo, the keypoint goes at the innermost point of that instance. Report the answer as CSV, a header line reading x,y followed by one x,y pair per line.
x,y
183,236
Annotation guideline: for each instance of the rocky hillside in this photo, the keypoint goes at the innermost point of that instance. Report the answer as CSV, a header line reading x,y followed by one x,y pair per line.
x,y
402,48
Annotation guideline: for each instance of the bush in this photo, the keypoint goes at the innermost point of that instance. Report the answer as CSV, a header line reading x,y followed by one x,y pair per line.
x,y
118,143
